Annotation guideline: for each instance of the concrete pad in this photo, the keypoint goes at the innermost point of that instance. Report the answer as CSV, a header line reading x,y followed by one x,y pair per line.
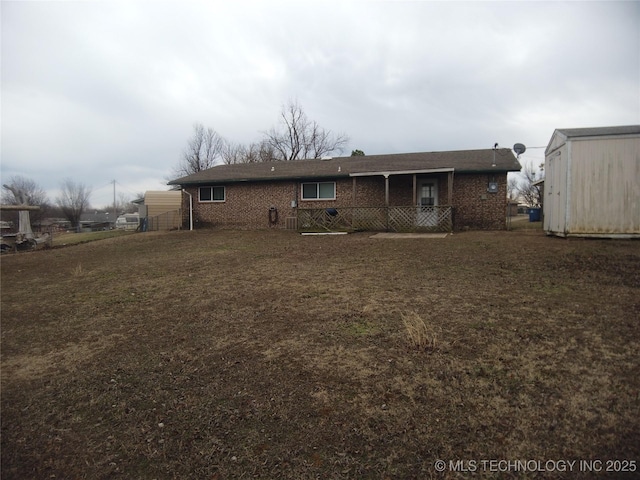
x,y
409,235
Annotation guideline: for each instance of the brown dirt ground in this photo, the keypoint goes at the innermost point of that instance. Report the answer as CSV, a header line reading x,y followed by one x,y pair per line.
x,y
267,354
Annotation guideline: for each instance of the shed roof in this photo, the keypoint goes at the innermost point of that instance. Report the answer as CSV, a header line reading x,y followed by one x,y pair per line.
x,y
462,161
162,196
600,131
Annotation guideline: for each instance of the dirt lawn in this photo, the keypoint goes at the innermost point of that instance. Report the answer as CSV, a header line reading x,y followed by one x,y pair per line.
x,y
212,355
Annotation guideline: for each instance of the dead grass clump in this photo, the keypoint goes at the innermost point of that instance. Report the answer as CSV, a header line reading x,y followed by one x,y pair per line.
x,y
78,271
420,335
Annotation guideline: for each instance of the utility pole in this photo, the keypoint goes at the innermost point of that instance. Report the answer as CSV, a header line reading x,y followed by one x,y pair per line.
x,y
115,214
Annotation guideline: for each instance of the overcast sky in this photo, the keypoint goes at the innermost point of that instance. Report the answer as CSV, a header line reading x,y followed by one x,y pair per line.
x,y
104,90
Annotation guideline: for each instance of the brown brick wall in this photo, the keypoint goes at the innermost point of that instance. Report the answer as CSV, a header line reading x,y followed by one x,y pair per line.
x,y
247,204
369,191
475,208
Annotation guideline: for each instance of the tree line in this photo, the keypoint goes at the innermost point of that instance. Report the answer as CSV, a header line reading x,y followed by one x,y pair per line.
x,y
295,138
73,201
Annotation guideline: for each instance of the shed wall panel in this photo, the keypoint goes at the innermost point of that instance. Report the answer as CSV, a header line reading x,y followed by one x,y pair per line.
x,y
159,202
605,186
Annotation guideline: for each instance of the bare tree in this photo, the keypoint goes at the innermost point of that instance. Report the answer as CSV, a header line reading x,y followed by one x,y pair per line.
x,y
296,138
124,205
300,138
255,152
203,151
73,201
530,193
233,153
512,188
264,151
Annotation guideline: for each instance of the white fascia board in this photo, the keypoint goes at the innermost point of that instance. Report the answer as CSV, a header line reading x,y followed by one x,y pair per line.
x,y
401,172
605,137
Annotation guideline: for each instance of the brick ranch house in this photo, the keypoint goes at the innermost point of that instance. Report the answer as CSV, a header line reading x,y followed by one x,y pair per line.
x,y
433,191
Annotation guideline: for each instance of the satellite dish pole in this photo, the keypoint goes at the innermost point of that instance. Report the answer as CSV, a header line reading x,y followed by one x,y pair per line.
x,y
519,148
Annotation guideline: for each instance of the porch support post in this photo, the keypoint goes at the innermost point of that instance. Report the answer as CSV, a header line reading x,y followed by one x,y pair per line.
x,y
450,198
386,197
415,189
354,192
386,190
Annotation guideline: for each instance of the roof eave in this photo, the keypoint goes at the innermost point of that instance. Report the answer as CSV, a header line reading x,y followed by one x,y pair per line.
x,y
492,170
387,173
212,181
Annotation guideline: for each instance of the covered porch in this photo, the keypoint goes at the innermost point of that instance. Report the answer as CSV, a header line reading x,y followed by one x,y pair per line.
x,y
393,201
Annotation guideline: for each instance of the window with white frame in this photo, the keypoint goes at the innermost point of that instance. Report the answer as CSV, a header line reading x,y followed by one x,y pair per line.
x,y
211,194
319,191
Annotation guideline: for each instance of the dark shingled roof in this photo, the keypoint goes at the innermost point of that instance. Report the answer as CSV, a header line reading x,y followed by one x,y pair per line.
x,y
463,161
600,131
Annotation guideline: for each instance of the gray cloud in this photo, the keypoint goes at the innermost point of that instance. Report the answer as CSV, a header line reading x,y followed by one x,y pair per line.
x,y
103,90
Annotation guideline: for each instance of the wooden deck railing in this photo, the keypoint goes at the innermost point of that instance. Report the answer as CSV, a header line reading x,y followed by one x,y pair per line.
x,y
390,219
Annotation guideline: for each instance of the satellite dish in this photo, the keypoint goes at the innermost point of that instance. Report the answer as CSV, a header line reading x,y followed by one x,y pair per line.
x,y
519,148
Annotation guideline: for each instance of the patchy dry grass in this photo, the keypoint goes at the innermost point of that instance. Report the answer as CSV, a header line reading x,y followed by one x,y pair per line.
x,y
419,334
266,354
70,238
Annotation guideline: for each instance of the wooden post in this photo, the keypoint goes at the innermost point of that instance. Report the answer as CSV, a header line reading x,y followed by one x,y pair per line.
x,y
450,199
386,190
386,197
354,201
415,189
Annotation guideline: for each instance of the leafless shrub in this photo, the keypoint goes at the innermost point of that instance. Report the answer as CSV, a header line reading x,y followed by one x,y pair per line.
x,y
420,335
78,271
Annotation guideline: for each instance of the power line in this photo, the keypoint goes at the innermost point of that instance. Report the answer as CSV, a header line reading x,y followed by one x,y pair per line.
x,y
126,189
110,184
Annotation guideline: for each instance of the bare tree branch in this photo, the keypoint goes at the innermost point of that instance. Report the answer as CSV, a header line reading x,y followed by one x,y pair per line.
x,y
203,151
512,188
300,138
232,153
529,192
296,138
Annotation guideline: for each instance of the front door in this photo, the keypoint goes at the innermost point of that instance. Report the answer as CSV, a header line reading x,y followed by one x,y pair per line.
x,y
427,204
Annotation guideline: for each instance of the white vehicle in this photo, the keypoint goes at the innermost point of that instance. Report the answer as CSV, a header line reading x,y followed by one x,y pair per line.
x,y
128,221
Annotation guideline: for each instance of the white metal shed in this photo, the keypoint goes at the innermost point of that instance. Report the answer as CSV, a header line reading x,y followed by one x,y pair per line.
x,y
592,184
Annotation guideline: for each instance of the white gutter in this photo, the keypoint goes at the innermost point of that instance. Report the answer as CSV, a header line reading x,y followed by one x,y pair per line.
x,y
190,209
401,172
